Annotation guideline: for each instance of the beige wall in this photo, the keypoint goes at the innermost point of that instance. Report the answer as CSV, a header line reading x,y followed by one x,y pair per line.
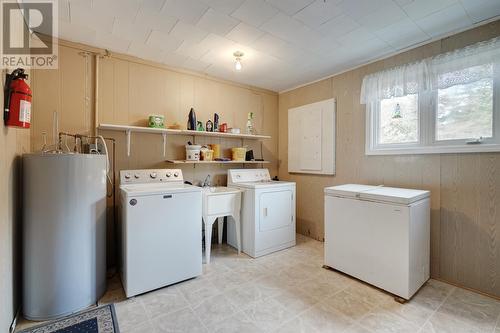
x,y
129,91
13,143
465,187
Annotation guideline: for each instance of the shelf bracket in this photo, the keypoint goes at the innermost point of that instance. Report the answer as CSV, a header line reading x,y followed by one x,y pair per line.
x,y
164,135
127,133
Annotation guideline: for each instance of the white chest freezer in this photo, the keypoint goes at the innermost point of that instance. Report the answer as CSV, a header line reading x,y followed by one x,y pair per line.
x,y
380,235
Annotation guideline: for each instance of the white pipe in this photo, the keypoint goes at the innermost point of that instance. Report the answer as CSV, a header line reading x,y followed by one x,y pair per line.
x,y
96,94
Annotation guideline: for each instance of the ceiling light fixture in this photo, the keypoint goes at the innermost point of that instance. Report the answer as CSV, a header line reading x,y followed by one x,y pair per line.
x,y
237,55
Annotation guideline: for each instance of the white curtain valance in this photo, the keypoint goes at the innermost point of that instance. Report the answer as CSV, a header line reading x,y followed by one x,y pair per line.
x,y
461,66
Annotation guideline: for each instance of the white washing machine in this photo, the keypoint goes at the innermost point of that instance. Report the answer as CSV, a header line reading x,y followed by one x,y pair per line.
x,y
160,229
267,212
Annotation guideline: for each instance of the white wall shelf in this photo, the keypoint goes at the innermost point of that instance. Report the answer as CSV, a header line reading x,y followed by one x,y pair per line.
x,y
141,129
215,162
165,131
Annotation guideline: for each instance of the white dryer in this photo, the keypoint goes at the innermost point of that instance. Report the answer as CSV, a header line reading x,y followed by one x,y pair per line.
x,y
160,229
267,212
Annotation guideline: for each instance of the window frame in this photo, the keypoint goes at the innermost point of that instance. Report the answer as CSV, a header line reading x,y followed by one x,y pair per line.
x,y
427,131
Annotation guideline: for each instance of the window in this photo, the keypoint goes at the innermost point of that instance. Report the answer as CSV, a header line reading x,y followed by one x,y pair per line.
x,y
398,122
446,104
465,111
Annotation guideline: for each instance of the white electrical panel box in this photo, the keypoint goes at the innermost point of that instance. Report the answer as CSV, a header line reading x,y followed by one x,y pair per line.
x,y
311,138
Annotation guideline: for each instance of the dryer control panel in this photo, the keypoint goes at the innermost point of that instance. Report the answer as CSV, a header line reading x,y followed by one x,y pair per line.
x,y
235,176
150,176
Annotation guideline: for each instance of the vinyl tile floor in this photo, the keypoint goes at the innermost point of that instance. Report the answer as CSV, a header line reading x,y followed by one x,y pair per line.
x,y
289,291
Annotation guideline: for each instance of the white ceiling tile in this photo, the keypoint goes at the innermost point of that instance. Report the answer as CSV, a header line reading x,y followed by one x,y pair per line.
x,y
76,33
360,8
403,2
185,31
290,7
338,26
402,34
217,23
224,6
382,17
446,20
356,37
289,29
194,51
144,51
163,41
254,12
126,30
195,64
420,8
244,34
152,5
285,42
112,42
126,9
84,3
318,12
213,41
480,10
63,10
150,19
188,11
269,44
173,59
83,16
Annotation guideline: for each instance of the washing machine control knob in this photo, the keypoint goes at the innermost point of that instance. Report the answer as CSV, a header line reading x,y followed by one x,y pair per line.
x,y
169,174
152,175
136,176
127,176
176,174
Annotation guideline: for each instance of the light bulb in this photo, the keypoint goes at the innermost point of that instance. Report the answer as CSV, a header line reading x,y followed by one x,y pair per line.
x,y
237,65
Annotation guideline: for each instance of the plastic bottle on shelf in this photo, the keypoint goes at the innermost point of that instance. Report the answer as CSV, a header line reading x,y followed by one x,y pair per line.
x,y
250,129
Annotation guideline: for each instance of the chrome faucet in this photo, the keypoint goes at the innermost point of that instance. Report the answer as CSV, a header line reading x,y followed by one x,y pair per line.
x,y
206,182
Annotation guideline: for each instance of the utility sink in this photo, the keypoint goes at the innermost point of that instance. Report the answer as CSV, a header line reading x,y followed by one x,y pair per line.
x,y
214,190
221,200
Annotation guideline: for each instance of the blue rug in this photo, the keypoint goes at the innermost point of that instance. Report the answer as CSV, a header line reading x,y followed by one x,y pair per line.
x,y
97,320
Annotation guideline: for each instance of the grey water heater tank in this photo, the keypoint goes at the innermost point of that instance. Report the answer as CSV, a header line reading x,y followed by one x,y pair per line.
x,y
64,233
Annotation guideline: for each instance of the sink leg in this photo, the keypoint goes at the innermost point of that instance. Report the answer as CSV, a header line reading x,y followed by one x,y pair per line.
x,y
220,227
237,224
208,237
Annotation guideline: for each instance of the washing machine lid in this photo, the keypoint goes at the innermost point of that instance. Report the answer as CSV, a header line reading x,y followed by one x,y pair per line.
x,y
377,193
157,188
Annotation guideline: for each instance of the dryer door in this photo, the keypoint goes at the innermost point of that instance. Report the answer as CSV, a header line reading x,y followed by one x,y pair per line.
x,y
275,210
276,222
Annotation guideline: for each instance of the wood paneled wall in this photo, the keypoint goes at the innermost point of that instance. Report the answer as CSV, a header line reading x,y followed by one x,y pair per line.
x,y
13,143
129,90
465,217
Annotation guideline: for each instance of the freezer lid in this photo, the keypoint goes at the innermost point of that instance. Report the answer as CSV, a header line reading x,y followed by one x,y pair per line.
x,y
395,195
348,190
377,193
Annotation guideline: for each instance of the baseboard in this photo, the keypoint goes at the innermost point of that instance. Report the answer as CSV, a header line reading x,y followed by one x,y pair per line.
x,y
467,288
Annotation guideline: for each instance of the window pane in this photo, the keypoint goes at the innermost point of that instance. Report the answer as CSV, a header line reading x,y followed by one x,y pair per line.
x,y
465,111
398,120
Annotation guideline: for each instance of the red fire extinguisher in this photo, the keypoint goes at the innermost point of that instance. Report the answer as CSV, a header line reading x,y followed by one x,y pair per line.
x,y
17,100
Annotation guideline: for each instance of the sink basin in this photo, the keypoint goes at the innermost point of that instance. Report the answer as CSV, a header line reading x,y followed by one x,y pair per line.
x,y
221,200
214,190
